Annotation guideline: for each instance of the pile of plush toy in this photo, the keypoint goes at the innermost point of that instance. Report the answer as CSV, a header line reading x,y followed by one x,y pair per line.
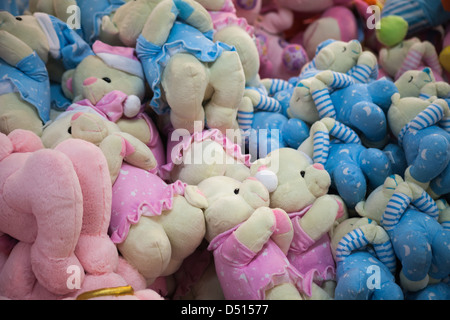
x,y
219,149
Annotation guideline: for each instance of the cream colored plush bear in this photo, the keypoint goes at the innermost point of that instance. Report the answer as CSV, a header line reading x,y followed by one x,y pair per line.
x,y
336,65
35,49
411,54
248,240
421,83
301,189
117,146
112,83
193,78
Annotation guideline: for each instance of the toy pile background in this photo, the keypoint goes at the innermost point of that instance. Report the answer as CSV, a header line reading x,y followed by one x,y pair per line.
x,y
341,128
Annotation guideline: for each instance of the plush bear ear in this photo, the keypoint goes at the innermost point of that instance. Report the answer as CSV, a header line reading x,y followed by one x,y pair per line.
x,y
66,83
195,197
324,59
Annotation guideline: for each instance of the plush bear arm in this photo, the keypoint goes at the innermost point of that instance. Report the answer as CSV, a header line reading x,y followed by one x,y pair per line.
x,y
120,147
62,8
257,229
194,14
157,28
13,49
321,217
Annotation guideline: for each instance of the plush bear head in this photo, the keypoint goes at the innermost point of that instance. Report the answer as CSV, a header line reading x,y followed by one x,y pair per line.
x,y
28,29
338,56
230,202
391,58
117,146
291,177
111,68
403,110
412,82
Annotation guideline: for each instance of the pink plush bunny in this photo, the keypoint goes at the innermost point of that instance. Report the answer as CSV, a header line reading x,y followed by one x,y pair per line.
x,y
57,206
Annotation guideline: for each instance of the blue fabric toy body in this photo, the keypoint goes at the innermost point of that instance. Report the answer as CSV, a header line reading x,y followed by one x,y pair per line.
x,y
365,269
353,168
427,148
420,242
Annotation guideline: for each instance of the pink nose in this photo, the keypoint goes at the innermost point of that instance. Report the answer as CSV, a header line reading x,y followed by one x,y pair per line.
x,y
318,166
76,116
89,81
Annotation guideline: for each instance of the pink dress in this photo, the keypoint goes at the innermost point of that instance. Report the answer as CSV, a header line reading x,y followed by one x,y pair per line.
x,y
313,259
138,192
246,275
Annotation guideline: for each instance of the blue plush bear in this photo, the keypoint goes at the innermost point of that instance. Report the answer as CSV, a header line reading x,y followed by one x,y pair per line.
x,y
365,262
438,291
353,168
421,243
418,125
354,97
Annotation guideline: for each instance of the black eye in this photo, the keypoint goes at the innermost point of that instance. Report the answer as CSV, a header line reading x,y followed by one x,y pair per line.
x,y
106,79
302,173
411,79
345,49
236,191
18,18
69,130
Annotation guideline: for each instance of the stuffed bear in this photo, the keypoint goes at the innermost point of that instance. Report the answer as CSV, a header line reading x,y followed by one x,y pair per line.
x,y
405,18
77,255
248,240
421,84
359,106
353,168
116,145
337,64
186,69
49,46
410,54
300,188
410,216
195,157
366,262
416,124
112,83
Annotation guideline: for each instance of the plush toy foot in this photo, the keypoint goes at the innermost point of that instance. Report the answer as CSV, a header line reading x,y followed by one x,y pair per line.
x,y
413,286
317,293
285,291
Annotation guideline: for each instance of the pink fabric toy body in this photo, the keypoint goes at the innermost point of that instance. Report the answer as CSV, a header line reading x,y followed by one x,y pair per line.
x,y
313,259
57,206
137,192
246,275
278,58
